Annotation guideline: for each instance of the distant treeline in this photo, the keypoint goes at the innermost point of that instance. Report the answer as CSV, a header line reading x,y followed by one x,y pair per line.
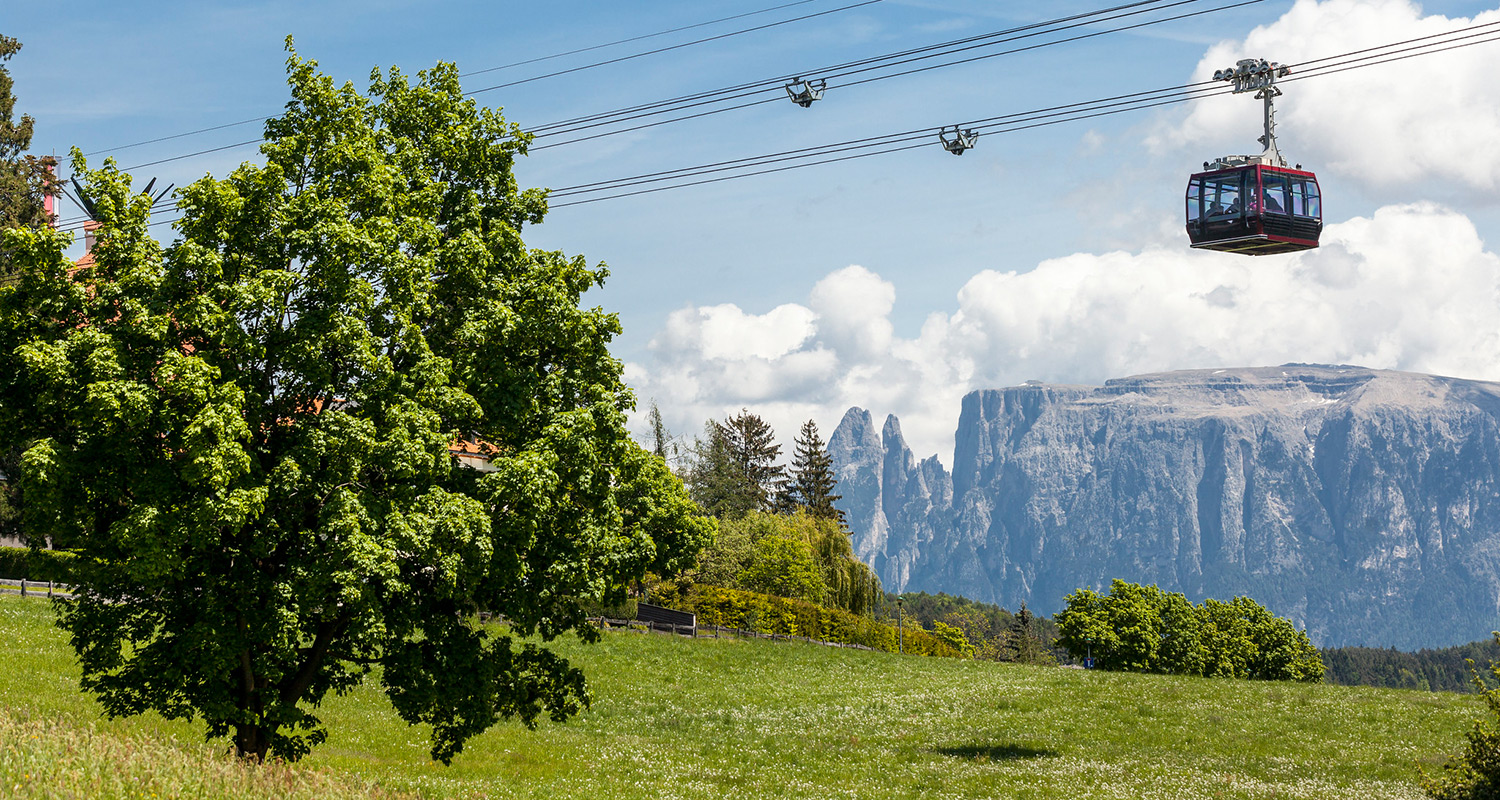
x,y
1441,670
994,633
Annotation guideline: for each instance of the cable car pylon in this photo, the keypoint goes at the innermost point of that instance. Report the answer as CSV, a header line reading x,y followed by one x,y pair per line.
x,y
1254,205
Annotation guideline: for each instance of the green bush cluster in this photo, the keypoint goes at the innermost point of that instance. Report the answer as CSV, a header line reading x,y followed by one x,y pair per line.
x,y
797,555
625,609
17,563
1475,773
1138,628
737,608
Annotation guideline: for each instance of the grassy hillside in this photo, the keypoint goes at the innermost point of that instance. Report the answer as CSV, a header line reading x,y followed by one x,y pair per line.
x,y
678,718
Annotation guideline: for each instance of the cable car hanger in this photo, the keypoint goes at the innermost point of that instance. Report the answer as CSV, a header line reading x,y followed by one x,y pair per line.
x,y
803,93
1259,76
1254,204
957,141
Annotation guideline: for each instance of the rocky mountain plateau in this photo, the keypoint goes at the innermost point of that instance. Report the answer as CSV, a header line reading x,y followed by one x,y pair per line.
x,y
1362,504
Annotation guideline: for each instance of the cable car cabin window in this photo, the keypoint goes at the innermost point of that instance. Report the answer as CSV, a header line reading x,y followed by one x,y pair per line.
x,y
1305,199
1221,195
1195,200
1274,192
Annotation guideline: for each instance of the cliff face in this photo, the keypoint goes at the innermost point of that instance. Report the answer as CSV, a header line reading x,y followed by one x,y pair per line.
x,y
1362,504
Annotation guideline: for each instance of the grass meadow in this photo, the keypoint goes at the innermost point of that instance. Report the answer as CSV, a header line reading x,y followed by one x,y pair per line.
x,y
674,718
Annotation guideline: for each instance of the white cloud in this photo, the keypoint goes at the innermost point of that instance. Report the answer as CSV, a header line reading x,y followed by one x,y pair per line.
x,y
1410,288
1404,123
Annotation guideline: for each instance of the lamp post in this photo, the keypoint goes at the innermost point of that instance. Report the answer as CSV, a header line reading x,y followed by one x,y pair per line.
x,y
900,625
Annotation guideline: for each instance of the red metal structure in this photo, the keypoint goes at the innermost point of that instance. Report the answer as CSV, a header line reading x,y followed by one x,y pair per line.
x,y
1256,210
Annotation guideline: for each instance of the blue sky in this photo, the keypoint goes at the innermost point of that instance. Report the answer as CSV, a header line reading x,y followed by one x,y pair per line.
x,y
895,282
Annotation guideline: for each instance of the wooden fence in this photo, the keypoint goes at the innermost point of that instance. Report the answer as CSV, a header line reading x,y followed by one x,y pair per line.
x,y
708,632
27,588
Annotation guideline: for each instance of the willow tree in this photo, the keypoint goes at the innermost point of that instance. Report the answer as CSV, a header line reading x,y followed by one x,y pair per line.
x,y
249,435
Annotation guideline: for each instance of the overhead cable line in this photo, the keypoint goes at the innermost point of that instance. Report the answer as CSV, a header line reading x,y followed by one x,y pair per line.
x,y
919,69
636,38
779,79
608,62
770,84
212,128
860,66
1010,123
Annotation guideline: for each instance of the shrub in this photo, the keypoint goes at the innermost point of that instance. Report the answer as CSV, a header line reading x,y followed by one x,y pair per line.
x,y
736,608
1138,628
17,563
1474,775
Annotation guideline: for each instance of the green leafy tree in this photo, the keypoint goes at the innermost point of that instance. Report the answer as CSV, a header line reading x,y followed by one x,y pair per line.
x,y
954,638
812,482
717,479
25,183
784,567
844,582
247,434
1475,774
25,180
1143,629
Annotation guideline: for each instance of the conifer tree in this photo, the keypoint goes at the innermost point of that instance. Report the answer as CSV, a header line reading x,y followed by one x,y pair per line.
x,y
25,181
661,438
716,478
1026,646
752,444
812,482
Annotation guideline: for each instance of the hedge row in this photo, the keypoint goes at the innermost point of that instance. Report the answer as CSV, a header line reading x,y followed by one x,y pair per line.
x,y
735,608
17,563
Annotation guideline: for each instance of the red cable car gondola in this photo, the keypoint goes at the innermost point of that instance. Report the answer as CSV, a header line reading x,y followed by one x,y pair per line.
x,y
1254,205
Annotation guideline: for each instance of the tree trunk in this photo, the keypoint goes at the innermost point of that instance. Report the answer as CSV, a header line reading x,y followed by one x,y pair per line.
x,y
251,742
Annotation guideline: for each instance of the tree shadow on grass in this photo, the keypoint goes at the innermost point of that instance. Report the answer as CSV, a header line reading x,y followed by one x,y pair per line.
x,y
995,752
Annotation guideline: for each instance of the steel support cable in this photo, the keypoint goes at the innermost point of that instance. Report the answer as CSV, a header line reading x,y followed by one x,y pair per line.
x,y
635,38
1172,101
210,129
1332,69
930,67
754,162
1384,57
775,85
1018,121
879,140
711,112
1068,40
1397,44
745,175
249,142
1141,99
1145,103
697,96
665,49
780,79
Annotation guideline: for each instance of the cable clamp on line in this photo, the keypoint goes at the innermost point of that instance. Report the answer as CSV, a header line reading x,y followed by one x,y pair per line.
x,y
957,141
803,93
